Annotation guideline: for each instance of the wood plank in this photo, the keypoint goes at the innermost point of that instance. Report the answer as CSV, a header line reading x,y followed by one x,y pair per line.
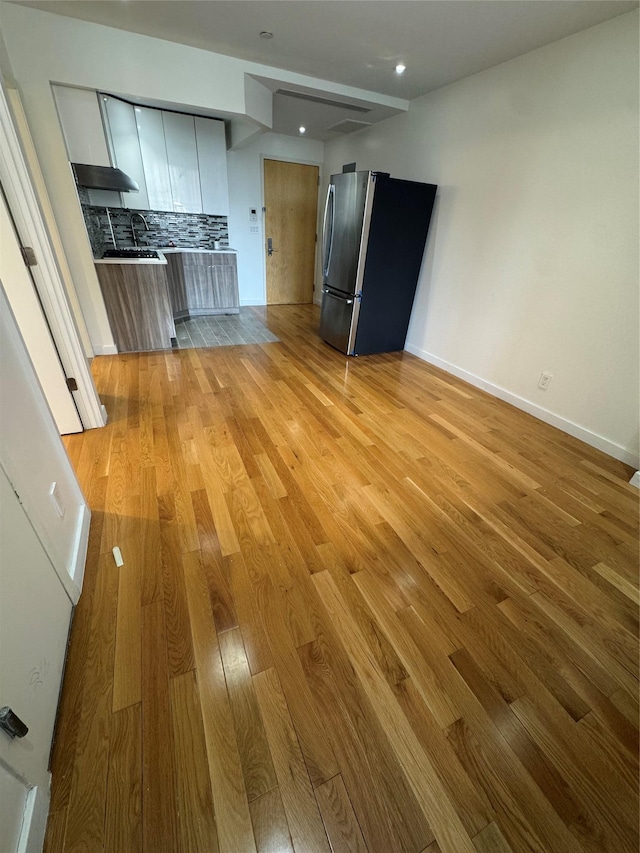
x,y
491,840
257,766
123,818
619,581
196,823
180,655
127,676
270,825
301,809
56,827
225,769
340,822
158,766
87,797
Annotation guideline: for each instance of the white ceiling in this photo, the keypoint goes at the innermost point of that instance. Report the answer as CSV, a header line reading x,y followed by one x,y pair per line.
x,y
353,42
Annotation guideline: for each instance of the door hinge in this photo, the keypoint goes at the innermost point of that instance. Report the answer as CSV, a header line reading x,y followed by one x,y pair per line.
x,y
29,256
318,180
316,236
72,385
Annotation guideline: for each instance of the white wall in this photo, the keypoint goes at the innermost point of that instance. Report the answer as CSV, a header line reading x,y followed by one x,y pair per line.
x,y
532,261
246,190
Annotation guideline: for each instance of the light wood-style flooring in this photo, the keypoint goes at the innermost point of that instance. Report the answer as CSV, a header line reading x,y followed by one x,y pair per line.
x,y
363,607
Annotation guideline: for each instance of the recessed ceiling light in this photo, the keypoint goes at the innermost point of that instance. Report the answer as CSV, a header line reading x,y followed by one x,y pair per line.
x,y
265,34
400,68
302,129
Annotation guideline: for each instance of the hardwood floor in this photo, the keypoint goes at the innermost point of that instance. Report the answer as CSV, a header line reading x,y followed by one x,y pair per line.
x,y
363,607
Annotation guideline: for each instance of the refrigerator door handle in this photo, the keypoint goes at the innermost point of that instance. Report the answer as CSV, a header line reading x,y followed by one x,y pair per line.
x,y
335,296
328,206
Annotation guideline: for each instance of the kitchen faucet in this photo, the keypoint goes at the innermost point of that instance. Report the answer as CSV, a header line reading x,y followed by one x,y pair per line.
x,y
133,230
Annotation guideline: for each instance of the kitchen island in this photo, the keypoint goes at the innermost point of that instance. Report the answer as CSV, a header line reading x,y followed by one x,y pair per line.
x,y
136,296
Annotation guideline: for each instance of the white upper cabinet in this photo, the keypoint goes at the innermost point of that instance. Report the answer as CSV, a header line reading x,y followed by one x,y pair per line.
x,y
154,158
79,113
212,163
84,134
122,134
182,154
179,161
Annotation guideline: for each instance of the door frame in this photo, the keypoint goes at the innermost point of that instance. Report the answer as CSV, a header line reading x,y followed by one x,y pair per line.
x,y
317,289
25,210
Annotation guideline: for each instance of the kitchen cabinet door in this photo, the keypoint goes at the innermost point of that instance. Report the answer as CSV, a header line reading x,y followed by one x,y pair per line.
x,y
177,288
224,274
211,283
212,162
198,282
182,154
154,158
122,134
84,135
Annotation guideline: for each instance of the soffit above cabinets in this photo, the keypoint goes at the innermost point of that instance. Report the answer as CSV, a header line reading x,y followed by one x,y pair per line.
x,y
355,43
344,44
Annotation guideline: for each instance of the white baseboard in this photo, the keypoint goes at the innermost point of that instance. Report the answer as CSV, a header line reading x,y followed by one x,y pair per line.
x,y
593,439
252,302
80,548
635,480
110,349
34,820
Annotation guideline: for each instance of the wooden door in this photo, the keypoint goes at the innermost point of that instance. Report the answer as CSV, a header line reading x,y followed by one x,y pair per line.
x,y
291,201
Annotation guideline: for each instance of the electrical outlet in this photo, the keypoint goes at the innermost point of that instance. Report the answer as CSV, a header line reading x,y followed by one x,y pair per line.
x,y
56,497
253,229
545,379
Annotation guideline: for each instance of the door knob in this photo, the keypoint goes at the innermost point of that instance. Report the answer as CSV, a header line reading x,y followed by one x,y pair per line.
x,y
11,723
270,249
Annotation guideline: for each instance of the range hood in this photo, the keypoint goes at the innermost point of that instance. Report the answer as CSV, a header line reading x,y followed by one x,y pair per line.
x,y
103,178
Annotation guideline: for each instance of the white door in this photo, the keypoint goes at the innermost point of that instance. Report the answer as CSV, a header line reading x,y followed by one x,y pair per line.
x,y
24,302
35,614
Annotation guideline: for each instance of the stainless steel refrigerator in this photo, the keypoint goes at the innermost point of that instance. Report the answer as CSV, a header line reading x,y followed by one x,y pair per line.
x,y
375,230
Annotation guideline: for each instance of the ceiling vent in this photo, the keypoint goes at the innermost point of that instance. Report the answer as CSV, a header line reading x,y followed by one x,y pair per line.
x,y
316,99
348,125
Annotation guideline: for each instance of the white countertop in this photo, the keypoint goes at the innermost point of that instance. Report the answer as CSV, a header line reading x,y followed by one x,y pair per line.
x,y
159,260
226,250
161,253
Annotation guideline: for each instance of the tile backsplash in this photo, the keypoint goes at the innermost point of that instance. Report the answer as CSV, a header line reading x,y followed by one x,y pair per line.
x,y
184,230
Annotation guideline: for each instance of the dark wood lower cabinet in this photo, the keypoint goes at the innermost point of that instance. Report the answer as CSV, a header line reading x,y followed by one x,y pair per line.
x,y
136,297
